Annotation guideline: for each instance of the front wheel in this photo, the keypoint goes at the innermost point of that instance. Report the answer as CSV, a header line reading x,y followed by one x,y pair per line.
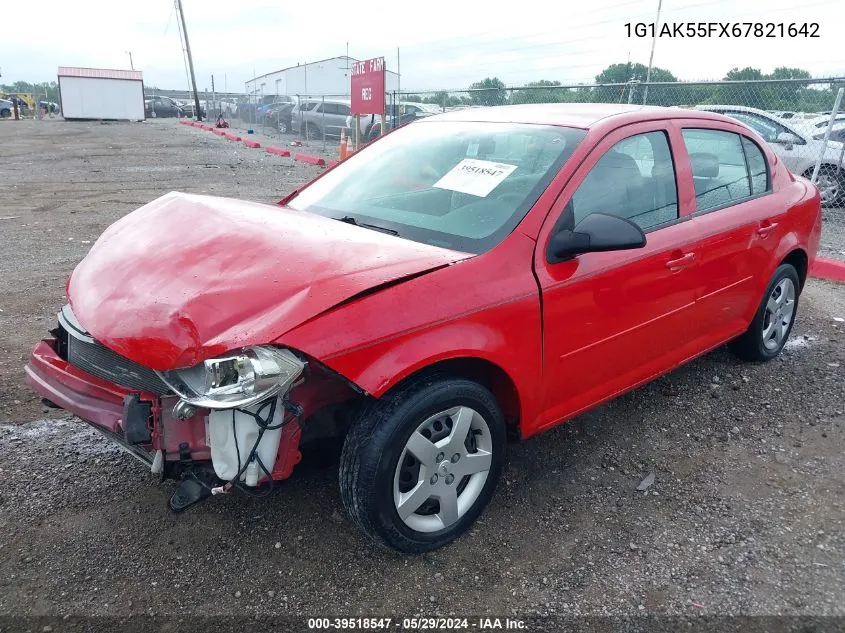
x,y
765,337
419,465
5,113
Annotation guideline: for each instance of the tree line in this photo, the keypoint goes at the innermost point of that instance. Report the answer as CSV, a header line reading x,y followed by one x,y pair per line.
x,y
626,86
44,91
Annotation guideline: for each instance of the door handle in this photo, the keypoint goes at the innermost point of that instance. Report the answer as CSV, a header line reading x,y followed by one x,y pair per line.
x,y
680,262
766,228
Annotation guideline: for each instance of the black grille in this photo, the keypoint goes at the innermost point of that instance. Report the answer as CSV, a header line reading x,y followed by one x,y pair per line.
x,y
100,361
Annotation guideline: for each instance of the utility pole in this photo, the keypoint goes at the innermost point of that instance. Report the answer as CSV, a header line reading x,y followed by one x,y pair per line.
x,y
131,65
190,62
651,57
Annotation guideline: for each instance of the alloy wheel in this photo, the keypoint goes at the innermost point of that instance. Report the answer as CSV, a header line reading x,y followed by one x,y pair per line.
x,y
442,469
780,309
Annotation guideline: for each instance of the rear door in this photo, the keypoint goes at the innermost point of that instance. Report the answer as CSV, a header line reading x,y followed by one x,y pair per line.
x,y
613,320
737,224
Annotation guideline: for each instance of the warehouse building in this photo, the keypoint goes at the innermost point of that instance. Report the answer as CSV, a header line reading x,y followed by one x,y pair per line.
x,y
325,77
101,94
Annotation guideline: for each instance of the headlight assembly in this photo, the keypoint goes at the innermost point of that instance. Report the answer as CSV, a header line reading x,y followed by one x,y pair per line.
x,y
236,379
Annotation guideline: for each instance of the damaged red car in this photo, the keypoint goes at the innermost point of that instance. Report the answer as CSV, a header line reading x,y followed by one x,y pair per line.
x,y
475,276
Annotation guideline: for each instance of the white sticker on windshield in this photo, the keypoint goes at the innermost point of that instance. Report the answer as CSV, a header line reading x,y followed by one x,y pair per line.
x,y
475,177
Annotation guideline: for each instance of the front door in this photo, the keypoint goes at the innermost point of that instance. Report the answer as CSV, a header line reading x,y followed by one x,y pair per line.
x,y
613,320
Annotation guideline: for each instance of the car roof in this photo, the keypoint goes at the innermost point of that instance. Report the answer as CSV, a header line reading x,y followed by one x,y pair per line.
x,y
579,115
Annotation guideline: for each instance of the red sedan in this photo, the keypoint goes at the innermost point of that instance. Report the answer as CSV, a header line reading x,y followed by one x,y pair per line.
x,y
470,276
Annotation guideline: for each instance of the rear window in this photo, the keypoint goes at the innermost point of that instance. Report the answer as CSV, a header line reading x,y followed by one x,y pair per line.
x,y
726,167
460,185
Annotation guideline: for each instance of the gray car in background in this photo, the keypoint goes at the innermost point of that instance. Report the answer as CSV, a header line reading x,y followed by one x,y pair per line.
x,y
322,117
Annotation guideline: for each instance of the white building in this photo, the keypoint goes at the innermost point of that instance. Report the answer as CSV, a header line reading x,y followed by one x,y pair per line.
x,y
101,94
329,77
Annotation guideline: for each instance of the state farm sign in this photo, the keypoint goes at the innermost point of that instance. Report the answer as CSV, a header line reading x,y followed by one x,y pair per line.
x,y
368,86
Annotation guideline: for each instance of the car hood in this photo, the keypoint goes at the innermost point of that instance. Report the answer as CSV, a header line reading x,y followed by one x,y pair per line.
x,y
187,277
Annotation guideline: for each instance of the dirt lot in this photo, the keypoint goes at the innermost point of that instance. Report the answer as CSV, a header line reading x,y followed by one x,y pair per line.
x,y
745,515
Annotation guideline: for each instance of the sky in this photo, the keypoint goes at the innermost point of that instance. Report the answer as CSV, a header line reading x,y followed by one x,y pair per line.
x,y
442,44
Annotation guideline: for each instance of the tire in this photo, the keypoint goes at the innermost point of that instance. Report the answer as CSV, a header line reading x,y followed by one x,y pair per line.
x,y
5,113
831,184
312,132
283,127
373,481
759,342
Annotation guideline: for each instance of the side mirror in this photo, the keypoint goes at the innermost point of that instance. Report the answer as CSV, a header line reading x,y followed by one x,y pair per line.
x,y
596,233
787,140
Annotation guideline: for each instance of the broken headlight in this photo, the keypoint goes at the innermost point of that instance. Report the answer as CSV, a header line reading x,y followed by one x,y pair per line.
x,y
236,379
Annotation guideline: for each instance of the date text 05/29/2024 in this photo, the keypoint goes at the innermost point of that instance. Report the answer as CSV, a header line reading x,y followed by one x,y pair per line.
x,y
418,624
722,29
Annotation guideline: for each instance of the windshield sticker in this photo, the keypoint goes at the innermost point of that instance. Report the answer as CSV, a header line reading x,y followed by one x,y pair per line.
x,y
475,177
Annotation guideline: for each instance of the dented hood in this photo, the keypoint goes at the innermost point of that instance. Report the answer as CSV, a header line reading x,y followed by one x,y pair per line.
x,y
187,277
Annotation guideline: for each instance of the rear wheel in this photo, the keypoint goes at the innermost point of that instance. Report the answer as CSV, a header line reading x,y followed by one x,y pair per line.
x,y
831,184
5,113
420,465
768,332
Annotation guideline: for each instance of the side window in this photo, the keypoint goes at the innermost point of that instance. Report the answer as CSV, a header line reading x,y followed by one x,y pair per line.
x,y
343,109
758,169
319,108
718,166
635,179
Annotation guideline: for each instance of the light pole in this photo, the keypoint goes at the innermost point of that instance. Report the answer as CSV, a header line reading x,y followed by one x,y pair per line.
x,y
198,110
131,65
651,57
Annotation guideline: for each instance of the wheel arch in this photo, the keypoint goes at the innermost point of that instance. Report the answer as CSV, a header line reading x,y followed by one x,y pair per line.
x,y
476,368
799,260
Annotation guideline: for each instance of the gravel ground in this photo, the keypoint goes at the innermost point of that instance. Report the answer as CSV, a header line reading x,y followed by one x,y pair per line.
x,y
744,516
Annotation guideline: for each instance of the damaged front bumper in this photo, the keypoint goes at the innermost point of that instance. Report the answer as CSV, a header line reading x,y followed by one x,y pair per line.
x,y
143,422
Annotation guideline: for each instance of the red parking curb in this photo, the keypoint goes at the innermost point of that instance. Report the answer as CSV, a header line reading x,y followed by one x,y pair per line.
x,y
232,137
311,160
218,132
332,163
830,269
278,151
252,144
206,127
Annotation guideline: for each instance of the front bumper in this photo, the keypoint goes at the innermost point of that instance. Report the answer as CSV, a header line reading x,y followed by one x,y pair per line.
x,y
102,404
184,443
94,400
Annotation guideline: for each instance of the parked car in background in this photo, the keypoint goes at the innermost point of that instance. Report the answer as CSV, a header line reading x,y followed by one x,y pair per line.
x,y
798,149
279,116
473,275
227,106
325,117
188,107
7,108
160,106
818,123
407,111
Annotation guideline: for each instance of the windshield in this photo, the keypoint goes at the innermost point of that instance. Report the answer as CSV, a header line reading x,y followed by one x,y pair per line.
x,y
459,185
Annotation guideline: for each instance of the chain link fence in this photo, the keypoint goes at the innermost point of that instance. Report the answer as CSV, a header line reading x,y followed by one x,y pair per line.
x,y
792,116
